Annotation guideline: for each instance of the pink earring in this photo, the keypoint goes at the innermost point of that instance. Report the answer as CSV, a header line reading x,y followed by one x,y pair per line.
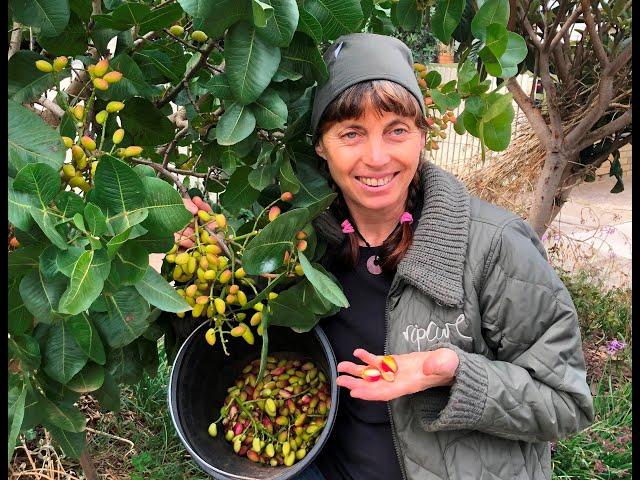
x,y
406,217
347,227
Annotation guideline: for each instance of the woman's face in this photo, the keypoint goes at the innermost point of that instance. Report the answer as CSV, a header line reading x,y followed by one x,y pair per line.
x,y
373,158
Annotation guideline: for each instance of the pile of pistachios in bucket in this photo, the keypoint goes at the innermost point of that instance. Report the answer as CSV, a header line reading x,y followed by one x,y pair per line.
x,y
275,421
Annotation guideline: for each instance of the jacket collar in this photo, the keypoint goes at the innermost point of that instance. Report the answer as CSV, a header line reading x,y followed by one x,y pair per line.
x,y
434,263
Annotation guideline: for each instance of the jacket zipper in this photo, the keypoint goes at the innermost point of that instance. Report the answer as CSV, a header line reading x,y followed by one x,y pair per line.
x,y
386,352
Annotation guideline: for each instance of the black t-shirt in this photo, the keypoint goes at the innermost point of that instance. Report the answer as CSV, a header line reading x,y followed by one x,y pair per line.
x,y
361,444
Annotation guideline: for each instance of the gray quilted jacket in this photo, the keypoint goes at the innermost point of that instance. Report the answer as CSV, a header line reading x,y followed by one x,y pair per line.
x,y
476,280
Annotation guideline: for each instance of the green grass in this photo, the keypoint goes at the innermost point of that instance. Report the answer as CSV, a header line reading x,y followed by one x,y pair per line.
x,y
603,451
159,453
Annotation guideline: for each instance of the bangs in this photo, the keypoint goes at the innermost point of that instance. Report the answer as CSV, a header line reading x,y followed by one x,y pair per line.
x,y
383,96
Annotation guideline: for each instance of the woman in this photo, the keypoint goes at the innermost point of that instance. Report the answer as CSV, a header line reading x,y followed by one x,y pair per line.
x,y
485,335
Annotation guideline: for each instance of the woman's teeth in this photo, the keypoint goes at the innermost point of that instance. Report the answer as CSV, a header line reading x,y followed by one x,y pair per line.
x,y
375,182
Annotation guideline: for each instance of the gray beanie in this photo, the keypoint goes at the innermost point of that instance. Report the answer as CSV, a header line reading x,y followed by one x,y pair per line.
x,y
359,57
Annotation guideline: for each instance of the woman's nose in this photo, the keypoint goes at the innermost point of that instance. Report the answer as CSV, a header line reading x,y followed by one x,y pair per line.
x,y
376,153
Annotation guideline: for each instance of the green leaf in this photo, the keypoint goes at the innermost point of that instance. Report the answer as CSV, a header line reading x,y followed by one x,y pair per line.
x,y
125,319
31,140
270,110
25,350
96,221
407,15
39,179
69,203
72,444
466,72
219,87
71,41
124,364
19,319
261,12
235,124
496,132
433,79
213,17
497,106
288,180
85,285
116,242
23,260
337,17
16,415
313,187
497,38
155,289
446,18
310,25
86,336
323,284
108,394
261,177
19,208
303,56
239,193
50,16
145,123
491,11
89,379
167,213
131,263
119,189
63,416
63,357
133,82
281,25
160,18
42,295
54,260
130,14
287,310
265,252
25,82
250,63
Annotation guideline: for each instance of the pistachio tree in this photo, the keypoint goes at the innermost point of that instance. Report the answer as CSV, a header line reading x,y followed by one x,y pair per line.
x,y
181,128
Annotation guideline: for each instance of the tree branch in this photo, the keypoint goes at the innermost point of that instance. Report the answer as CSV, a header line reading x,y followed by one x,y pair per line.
x,y
179,117
593,114
606,130
557,132
164,171
532,34
561,64
619,62
596,41
616,145
565,27
533,114
137,45
167,150
16,38
562,12
189,74
51,106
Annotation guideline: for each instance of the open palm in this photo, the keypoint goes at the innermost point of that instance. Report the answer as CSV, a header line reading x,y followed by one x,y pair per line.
x,y
417,371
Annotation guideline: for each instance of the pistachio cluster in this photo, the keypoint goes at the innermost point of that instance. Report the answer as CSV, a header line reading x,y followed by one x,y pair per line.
x,y
437,125
80,168
278,420
204,267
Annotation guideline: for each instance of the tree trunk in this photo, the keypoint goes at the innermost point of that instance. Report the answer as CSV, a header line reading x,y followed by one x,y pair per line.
x,y
87,465
544,196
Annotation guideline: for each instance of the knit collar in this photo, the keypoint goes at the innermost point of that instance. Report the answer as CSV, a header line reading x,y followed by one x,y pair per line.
x,y
434,263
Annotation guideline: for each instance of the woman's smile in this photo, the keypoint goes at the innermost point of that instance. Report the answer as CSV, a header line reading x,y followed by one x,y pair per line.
x,y
377,183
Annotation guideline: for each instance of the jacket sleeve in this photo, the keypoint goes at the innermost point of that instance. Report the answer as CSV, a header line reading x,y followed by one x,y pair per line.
x,y
535,389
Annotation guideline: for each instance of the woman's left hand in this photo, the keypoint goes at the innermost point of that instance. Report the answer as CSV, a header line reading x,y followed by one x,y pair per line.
x,y
417,371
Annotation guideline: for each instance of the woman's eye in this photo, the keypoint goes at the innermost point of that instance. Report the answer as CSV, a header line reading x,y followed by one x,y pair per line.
x,y
399,131
350,135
